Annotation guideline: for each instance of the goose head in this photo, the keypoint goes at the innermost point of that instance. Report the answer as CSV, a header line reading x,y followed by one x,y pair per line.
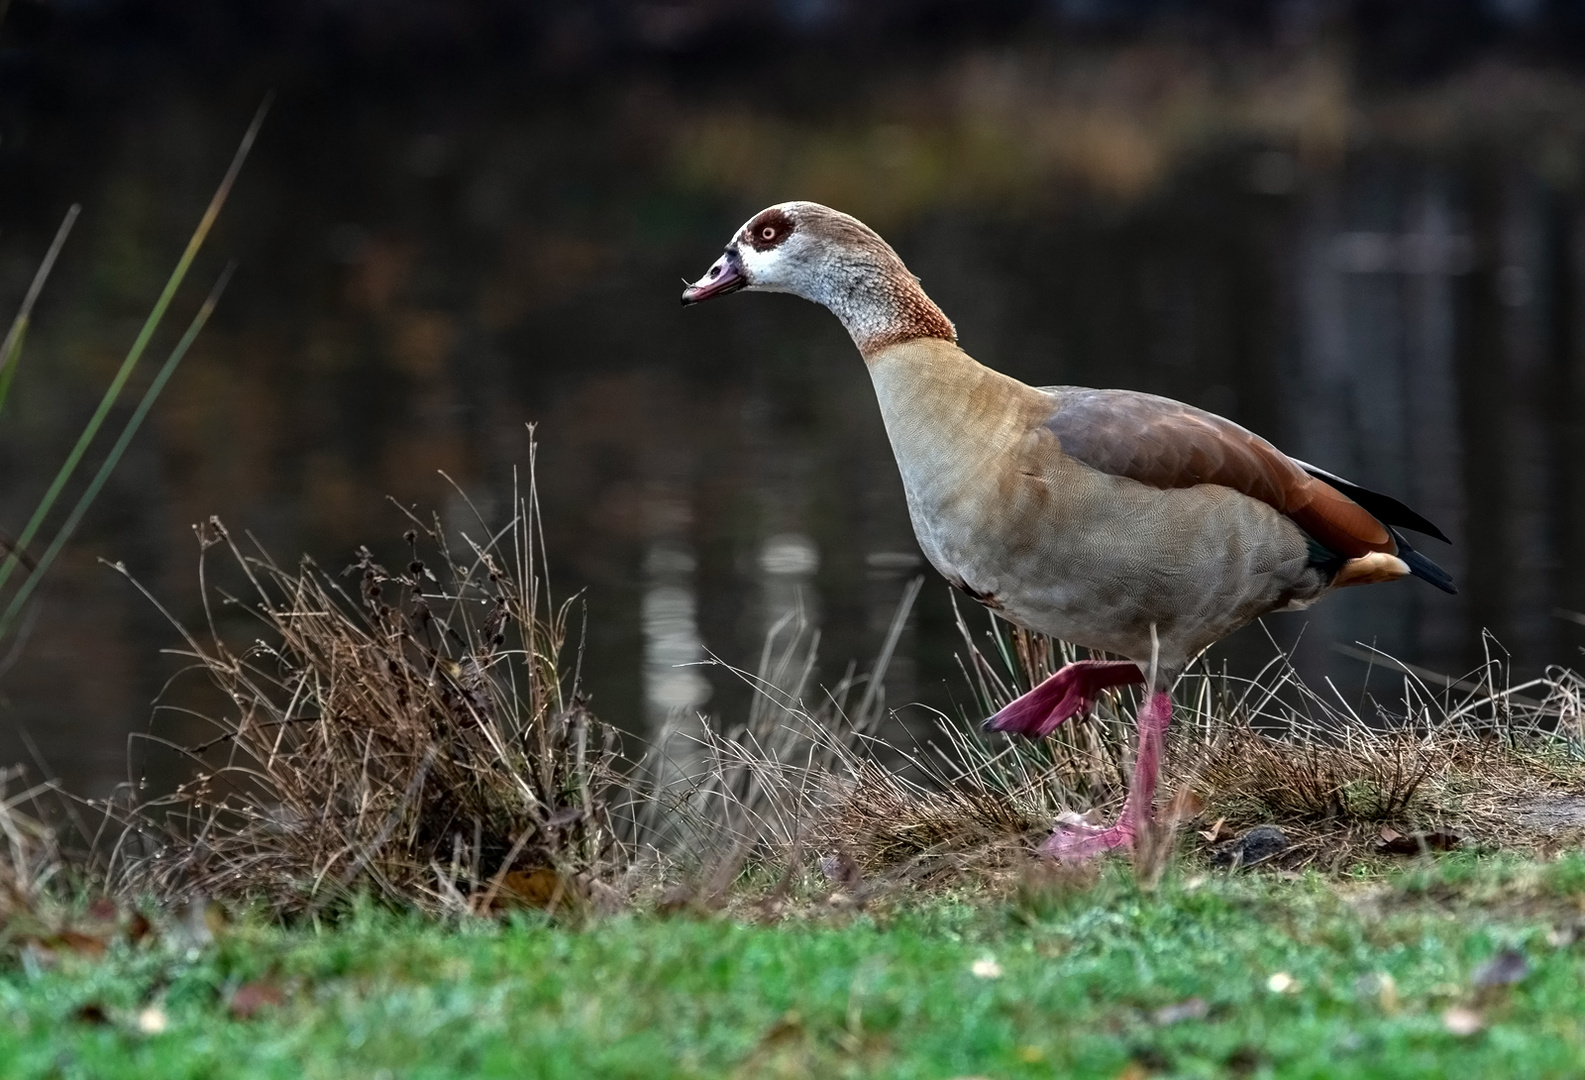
x,y
779,249
829,258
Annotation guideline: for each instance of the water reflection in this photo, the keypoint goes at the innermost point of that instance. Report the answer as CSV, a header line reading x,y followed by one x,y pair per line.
x,y
415,288
672,645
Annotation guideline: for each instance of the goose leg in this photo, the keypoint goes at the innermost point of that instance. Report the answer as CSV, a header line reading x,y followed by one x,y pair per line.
x,y
1073,841
1066,694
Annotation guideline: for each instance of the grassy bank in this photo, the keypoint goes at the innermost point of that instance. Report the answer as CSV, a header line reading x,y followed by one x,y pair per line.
x,y
1465,967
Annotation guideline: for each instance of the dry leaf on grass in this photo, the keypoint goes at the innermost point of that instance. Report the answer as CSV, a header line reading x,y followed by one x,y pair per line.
x,y
1218,832
540,887
139,928
252,998
1394,842
789,1026
72,941
1185,805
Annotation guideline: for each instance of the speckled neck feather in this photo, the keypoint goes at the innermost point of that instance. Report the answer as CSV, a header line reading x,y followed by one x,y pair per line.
x,y
865,284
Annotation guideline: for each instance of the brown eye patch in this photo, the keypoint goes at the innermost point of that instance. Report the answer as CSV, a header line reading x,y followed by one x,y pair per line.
x,y
769,228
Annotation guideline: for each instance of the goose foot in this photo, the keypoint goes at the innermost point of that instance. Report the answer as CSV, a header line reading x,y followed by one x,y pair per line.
x,y
1075,840
1068,693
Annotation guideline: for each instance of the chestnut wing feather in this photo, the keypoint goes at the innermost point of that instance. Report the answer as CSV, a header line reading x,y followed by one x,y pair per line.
x,y
1167,444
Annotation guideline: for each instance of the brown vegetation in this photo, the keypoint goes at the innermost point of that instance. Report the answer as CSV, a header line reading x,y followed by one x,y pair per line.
x,y
416,737
412,739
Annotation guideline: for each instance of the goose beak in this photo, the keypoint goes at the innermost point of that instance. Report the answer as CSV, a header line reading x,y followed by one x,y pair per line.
x,y
726,276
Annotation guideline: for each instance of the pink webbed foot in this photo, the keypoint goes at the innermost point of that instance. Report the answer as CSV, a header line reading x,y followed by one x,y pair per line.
x,y
1068,693
1075,840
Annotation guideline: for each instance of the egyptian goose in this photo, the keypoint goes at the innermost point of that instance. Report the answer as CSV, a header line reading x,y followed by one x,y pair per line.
x,y
1123,522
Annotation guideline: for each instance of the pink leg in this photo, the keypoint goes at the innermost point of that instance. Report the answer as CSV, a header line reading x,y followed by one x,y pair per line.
x,y
1066,694
1075,841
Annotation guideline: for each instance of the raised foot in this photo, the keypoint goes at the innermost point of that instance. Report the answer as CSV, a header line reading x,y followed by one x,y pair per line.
x,y
1075,840
1068,693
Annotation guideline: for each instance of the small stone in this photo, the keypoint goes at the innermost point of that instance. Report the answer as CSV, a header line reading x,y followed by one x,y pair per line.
x,y
1504,969
1256,845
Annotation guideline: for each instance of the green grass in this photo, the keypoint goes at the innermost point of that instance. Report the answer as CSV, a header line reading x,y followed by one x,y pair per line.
x,y
876,994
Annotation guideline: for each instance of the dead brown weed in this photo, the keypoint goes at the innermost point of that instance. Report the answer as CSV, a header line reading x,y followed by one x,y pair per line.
x,y
412,736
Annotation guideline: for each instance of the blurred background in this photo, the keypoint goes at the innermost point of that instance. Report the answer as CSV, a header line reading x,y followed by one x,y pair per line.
x,y
1356,227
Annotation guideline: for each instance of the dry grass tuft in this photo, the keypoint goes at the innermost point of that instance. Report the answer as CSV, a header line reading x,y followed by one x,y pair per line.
x,y
413,737
1462,761
30,852
802,786
812,792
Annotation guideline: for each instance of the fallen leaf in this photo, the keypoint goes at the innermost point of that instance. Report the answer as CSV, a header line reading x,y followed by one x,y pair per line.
x,y
540,887
1192,1009
77,942
1389,834
139,927
1185,805
152,1020
251,998
1504,969
103,910
1461,1021
1436,840
789,1026
1217,833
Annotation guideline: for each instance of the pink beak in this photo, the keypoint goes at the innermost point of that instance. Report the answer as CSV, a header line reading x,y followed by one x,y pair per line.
x,y
726,276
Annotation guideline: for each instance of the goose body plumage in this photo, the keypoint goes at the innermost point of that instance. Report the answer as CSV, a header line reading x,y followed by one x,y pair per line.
x,y
1116,520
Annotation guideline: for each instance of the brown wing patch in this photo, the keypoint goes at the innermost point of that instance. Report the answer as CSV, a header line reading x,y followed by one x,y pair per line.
x,y
1167,444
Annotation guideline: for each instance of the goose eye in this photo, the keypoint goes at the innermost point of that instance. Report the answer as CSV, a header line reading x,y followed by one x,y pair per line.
x,y
767,233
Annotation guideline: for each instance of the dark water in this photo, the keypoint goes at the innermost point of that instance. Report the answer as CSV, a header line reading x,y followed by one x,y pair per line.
x,y
1388,286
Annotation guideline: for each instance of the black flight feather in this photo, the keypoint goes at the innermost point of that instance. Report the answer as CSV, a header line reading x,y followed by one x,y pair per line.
x,y
1384,508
